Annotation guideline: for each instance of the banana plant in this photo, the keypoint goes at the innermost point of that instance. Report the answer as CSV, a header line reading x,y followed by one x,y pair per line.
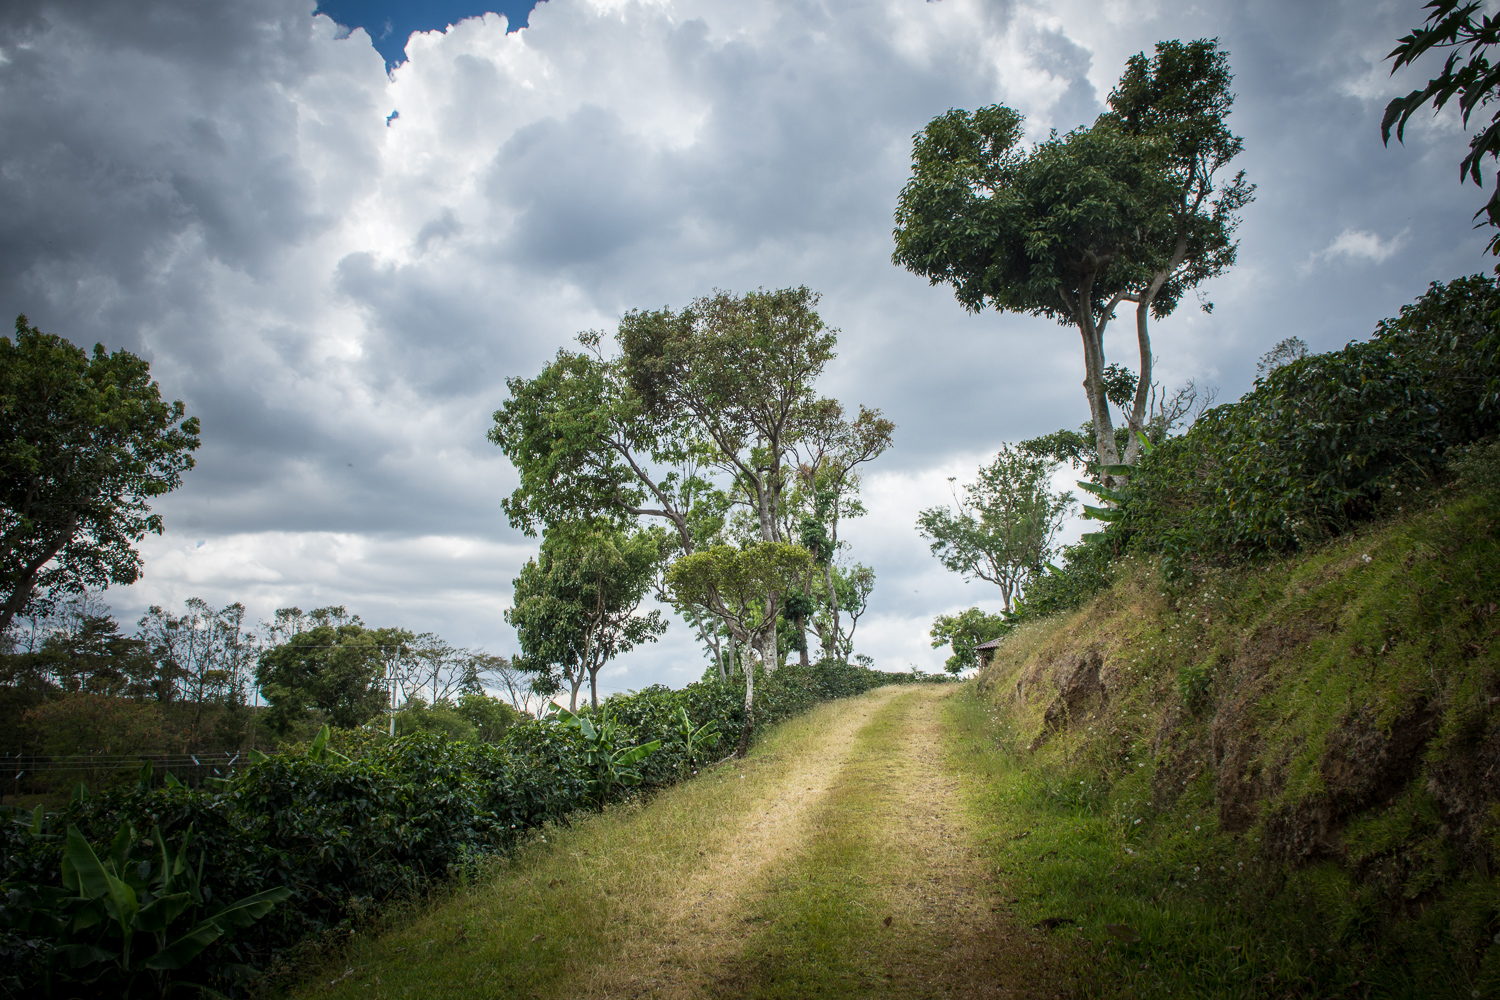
x,y
609,766
131,914
1116,497
691,740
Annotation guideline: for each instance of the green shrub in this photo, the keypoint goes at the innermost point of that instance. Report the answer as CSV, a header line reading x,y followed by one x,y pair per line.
x,y
1318,446
345,822
1311,449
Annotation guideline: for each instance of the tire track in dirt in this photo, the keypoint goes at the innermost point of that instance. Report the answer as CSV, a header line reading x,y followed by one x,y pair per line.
x,y
953,930
700,928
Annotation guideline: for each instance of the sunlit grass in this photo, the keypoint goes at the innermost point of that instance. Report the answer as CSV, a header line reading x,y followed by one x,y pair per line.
x,y
577,899
1115,816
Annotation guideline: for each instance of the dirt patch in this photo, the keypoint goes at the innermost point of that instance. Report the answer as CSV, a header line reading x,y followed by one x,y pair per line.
x,y
962,940
1362,764
1078,681
1245,778
701,927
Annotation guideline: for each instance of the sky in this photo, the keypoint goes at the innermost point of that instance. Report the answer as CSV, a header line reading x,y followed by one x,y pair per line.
x,y
335,250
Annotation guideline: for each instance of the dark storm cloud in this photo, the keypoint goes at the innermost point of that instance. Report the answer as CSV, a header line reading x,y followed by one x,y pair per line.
x,y
340,300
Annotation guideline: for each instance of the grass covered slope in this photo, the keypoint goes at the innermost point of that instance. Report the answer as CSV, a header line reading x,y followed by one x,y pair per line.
x,y
1284,780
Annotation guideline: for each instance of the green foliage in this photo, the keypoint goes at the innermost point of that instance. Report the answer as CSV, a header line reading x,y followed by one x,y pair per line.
x,y
336,667
1003,529
1320,445
964,631
443,717
1124,210
122,925
1454,25
1281,773
575,604
1087,567
1048,232
691,741
85,444
489,716
608,765
1314,447
353,818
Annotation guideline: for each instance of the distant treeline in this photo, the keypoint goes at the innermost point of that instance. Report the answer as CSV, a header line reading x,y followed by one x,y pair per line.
x,y
72,681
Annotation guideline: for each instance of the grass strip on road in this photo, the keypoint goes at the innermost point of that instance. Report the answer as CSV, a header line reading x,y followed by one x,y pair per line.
x,y
837,860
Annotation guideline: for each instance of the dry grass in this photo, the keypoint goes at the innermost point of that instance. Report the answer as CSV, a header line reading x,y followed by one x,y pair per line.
x,y
836,860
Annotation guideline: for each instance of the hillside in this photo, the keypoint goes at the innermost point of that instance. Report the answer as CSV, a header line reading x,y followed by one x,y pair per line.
x,y
1278,780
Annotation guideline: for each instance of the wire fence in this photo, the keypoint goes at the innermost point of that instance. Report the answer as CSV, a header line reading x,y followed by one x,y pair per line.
x,y
29,774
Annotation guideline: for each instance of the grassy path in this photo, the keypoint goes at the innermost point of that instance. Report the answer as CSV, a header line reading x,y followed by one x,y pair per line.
x,y
837,860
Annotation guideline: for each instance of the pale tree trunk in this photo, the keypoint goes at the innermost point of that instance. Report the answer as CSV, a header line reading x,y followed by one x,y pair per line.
x,y
740,641
833,605
1091,328
1143,339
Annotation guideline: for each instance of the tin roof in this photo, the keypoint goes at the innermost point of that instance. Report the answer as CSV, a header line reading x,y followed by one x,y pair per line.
x,y
992,644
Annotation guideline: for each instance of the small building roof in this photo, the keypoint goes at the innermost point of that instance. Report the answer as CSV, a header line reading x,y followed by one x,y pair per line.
x,y
992,644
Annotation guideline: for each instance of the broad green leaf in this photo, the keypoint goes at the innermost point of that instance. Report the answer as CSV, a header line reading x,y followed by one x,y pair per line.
x,y
250,909
158,914
79,955
634,754
125,903
184,949
93,880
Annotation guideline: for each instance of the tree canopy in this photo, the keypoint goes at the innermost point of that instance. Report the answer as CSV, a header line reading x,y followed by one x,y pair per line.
x,y
708,419
334,665
1125,210
963,633
86,443
1003,528
739,585
575,604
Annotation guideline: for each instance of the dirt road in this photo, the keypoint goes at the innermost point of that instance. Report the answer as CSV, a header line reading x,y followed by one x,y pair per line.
x,y
855,875
837,860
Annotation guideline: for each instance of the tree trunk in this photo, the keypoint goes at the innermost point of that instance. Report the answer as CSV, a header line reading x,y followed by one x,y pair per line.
x,y
22,592
769,655
749,726
833,605
1143,339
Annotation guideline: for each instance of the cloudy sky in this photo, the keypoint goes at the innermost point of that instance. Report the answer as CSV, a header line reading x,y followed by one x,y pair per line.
x,y
336,266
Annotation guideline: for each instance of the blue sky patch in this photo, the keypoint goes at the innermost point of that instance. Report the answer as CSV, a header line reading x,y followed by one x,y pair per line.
x,y
391,22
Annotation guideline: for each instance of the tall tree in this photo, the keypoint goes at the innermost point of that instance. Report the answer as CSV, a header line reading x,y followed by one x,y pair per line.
x,y
1125,210
86,443
1180,98
1003,528
699,411
332,664
963,633
203,656
736,583
829,451
575,606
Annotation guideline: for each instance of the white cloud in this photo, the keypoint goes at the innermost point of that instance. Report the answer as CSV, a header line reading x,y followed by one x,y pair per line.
x,y
1358,244
341,299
